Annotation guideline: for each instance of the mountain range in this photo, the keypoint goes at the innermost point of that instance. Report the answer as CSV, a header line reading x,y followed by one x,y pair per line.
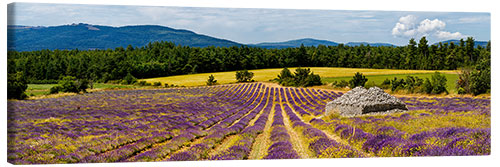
x,y
86,36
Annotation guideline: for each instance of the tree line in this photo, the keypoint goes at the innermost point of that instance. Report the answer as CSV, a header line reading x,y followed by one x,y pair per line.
x,y
165,59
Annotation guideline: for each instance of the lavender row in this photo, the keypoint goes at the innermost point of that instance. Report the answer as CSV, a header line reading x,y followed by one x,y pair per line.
x,y
241,149
176,143
200,151
318,141
281,147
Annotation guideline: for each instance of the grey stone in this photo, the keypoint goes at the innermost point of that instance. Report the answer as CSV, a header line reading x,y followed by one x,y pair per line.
x,y
360,101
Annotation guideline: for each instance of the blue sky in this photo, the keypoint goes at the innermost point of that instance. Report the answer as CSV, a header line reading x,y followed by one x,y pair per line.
x,y
267,25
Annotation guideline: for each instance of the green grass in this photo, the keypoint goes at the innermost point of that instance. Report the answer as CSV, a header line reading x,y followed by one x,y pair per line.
x,y
38,89
268,74
378,79
44,89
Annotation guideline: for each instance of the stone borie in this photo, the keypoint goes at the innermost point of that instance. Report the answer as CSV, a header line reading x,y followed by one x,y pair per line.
x,y
359,101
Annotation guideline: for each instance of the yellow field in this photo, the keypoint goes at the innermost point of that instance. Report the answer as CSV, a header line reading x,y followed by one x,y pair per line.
x,y
268,74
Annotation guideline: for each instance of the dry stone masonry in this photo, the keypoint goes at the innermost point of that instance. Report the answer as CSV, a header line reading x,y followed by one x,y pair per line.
x,y
359,101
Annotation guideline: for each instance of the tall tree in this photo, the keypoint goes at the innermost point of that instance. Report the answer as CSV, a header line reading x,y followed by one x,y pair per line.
x,y
423,49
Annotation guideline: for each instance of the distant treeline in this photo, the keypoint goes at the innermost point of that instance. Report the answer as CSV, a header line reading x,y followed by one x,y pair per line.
x,y
165,58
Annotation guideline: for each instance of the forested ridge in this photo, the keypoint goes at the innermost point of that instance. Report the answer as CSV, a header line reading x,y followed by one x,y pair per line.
x,y
166,58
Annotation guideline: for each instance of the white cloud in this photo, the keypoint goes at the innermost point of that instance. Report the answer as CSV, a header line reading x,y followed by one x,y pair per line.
x,y
407,27
449,35
408,20
427,26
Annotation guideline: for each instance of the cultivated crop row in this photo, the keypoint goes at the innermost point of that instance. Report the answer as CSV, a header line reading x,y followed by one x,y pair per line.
x,y
235,122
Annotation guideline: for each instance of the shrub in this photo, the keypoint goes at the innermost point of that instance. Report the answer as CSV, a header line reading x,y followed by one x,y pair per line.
x,y
357,80
436,85
129,79
481,78
211,80
70,84
157,84
370,84
244,76
461,91
55,89
411,84
475,81
386,84
312,80
342,84
300,78
286,77
16,85
463,82
143,83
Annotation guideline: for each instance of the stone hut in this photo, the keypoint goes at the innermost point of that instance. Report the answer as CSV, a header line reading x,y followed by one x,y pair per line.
x,y
359,101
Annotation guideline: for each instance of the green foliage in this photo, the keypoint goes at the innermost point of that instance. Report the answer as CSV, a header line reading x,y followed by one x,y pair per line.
x,y
481,78
463,83
143,83
129,79
16,86
312,79
478,80
397,83
340,84
286,78
70,84
461,90
211,80
357,80
301,77
157,84
436,85
244,76
411,84
159,59
386,84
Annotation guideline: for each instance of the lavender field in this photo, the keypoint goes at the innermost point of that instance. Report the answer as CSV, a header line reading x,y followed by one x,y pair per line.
x,y
236,122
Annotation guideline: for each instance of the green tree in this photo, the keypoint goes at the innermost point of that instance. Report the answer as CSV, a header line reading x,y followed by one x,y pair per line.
x,y
313,79
436,85
469,49
244,76
129,79
211,80
286,78
424,53
481,78
70,84
357,80
301,75
411,53
16,86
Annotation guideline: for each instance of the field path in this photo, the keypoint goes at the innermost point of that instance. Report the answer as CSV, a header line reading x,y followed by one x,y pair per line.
x,y
297,140
262,142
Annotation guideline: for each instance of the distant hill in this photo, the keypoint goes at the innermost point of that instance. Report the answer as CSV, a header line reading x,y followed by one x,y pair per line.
x,y
457,42
366,43
295,43
85,37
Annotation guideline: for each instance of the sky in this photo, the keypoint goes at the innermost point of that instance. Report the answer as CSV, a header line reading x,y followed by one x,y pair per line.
x,y
250,26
